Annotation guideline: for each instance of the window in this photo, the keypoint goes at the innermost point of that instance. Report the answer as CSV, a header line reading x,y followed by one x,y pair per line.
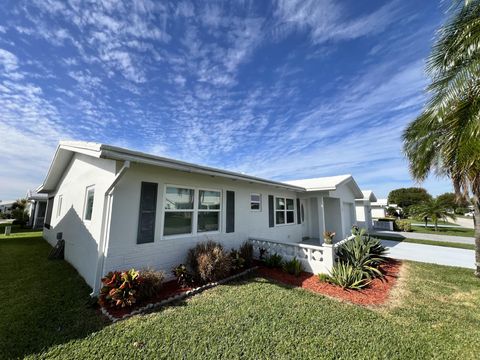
x,y
284,211
255,202
59,207
89,203
184,215
208,211
178,211
147,213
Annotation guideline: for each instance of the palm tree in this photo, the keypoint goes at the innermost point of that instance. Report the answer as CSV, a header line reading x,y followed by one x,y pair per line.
x,y
435,210
445,138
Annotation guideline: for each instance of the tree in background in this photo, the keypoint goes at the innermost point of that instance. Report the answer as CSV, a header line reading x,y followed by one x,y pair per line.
x,y
406,197
19,212
445,138
433,209
452,201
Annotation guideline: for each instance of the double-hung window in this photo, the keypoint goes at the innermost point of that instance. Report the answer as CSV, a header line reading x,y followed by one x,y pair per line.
x,y
255,202
208,211
284,211
179,211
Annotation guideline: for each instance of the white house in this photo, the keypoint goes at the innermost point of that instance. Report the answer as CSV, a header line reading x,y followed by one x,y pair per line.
x,y
379,208
116,208
363,209
36,208
6,206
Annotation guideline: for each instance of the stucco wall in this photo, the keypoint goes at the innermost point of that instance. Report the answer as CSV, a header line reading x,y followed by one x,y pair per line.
x,y
164,253
81,237
378,212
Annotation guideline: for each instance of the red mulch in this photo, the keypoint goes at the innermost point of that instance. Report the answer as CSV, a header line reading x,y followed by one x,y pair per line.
x,y
169,289
376,293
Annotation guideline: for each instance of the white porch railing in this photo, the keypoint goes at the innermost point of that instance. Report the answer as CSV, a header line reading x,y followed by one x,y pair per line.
x,y
315,259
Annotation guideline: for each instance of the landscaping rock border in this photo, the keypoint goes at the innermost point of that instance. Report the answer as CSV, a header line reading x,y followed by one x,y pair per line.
x,y
174,298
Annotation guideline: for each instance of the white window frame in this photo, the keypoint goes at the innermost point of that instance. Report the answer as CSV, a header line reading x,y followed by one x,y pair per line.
x,y
87,190
285,211
259,202
59,205
194,211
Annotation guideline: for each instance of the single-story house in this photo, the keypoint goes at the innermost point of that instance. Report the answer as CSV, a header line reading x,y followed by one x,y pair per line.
x,y
379,208
36,208
6,206
117,208
363,209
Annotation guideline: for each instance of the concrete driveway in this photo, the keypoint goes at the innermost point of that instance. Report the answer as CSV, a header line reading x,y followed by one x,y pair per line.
x,y
431,254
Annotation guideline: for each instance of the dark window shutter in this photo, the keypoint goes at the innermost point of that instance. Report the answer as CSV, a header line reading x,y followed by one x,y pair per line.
x,y
147,213
48,216
271,212
230,228
299,217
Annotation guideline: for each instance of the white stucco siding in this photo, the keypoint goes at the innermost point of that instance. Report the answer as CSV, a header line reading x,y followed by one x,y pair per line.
x,y
378,212
347,202
165,252
81,236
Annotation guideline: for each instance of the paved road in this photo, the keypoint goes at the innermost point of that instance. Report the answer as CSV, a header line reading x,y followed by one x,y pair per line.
x,y
5,221
422,236
431,254
439,225
466,223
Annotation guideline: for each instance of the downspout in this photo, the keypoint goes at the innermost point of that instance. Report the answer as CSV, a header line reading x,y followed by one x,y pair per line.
x,y
105,229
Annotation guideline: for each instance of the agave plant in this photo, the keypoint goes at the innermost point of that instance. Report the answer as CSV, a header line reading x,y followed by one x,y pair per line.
x,y
348,277
363,253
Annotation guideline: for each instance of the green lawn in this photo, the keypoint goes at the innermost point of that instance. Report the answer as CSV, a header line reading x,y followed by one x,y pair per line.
x,y
429,242
440,222
17,231
433,314
460,231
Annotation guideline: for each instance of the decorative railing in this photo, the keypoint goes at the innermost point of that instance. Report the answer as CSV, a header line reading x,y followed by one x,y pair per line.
x,y
315,259
341,242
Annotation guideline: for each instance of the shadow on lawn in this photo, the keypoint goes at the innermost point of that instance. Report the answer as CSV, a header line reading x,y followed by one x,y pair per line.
x,y
44,302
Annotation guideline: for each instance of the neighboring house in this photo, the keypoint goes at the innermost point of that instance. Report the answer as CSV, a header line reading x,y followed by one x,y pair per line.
x,y
6,206
36,208
363,208
379,208
116,208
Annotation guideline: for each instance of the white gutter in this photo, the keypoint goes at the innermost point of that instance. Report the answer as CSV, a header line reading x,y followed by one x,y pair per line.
x,y
104,238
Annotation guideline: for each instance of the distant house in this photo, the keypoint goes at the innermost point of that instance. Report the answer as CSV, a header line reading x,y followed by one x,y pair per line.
x,y
116,208
37,206
379,208
6,206
363,208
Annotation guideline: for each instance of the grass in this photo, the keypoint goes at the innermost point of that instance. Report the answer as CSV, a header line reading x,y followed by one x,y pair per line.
x,y
433,315
460,231
440,222
17,231
429,242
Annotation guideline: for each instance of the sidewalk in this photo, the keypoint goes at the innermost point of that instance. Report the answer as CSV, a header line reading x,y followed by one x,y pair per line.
x,y
422,236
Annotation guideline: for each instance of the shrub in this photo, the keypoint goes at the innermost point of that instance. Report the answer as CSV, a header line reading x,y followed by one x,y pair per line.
x,y
238,262
183,276
209,262
274,261
120,289
151,282
328,237
262,252
246,252
461,211
403,225
346,276
364,254
293,267
323,277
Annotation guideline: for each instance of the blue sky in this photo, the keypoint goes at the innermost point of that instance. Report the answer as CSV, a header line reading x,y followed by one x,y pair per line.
x,y
282,89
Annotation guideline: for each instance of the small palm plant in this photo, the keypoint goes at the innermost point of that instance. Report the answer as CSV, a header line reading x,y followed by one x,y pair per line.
x,y
434,209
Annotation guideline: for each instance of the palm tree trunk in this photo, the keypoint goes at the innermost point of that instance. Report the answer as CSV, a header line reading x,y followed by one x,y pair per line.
x,y
436,225
426,222
476,209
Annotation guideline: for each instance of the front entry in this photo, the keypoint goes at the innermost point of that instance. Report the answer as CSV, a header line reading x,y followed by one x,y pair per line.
x,y
304,218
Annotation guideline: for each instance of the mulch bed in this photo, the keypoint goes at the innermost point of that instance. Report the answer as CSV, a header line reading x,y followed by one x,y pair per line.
x,y
376,293
169,289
